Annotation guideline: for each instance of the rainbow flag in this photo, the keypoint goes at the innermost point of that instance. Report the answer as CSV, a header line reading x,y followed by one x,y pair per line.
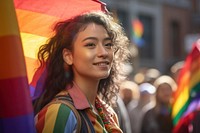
x,y
36,19
187,95
16,113
137,32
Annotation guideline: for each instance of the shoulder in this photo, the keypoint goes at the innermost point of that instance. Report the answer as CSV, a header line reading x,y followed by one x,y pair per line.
x,y
56,117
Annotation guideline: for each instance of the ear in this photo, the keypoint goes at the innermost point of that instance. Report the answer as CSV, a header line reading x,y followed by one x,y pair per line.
x,y
67,56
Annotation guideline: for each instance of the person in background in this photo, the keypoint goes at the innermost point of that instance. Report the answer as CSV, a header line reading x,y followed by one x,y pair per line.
x,y
148,75
151,75
83,62
123,117
175,70
158,119
136,113
129,92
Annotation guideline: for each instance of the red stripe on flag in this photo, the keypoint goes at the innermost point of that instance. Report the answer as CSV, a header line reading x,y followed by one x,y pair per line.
x,y
14,100
62,8
11,57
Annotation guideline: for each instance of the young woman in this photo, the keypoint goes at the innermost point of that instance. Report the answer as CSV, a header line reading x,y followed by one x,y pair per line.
x,y
83,64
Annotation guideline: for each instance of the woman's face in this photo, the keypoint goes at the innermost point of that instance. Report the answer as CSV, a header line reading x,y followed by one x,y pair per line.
x,y
92,54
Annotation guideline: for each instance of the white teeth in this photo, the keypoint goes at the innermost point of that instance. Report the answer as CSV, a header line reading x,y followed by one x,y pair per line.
x,y
101,64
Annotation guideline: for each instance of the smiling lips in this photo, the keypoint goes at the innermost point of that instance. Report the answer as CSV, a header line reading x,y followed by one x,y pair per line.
x,y
102,63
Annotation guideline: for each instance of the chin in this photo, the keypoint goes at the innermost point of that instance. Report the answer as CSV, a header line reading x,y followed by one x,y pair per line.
x,y
103,76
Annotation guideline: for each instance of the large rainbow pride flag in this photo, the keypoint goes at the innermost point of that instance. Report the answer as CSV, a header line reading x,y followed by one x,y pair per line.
x,y
187,95
36,19
16,113
18,50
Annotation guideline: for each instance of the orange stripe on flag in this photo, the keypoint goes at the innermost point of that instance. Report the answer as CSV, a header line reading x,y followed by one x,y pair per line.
x,y
11,57
35,23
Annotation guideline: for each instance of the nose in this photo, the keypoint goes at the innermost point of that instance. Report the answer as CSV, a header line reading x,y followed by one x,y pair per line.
x,y
102,51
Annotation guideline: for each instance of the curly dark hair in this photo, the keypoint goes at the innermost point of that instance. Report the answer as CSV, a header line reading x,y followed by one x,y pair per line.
x,y
65,32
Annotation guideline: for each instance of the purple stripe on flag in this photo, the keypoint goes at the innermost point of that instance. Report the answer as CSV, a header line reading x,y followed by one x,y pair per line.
x,y
32,90
37,90
20,124
194,105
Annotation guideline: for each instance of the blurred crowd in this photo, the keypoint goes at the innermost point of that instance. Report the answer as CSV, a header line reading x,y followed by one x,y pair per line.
x,y
145,102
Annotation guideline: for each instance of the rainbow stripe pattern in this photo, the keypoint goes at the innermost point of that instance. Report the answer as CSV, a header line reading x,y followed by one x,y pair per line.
x,y
36,19
187,95
16,113
59,118
137,31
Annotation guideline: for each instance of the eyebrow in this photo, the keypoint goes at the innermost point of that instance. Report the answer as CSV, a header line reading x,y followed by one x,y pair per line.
x,y
94,38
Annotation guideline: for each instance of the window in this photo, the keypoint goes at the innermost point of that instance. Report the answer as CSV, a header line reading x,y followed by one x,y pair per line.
x,y
146,51
124,20
175,44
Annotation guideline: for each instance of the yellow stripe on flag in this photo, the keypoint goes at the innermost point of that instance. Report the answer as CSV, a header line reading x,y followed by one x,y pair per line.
x,y
181,100
183,96
31,44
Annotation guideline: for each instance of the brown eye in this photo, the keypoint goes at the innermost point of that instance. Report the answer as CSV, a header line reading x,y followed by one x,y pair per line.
x,y
90,45
108,45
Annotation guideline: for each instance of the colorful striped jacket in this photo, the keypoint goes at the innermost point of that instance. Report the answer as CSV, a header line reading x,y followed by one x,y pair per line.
x,y
59,118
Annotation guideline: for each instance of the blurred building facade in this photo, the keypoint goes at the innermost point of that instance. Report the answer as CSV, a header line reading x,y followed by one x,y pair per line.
x,y
167,24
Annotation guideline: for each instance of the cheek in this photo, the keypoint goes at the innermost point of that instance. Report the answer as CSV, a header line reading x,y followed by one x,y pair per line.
x,y
111,54
82,57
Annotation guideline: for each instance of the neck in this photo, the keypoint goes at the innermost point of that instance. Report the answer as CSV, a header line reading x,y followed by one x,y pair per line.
x,y
89,88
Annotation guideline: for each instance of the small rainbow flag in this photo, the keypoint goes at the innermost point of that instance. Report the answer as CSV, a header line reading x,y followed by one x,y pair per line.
x,y
137,31
187,95
36,19
16,112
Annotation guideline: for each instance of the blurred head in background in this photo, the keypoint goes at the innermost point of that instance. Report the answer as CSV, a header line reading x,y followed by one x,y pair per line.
x,y
147,91
129,91
146,75
175,70
165,86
